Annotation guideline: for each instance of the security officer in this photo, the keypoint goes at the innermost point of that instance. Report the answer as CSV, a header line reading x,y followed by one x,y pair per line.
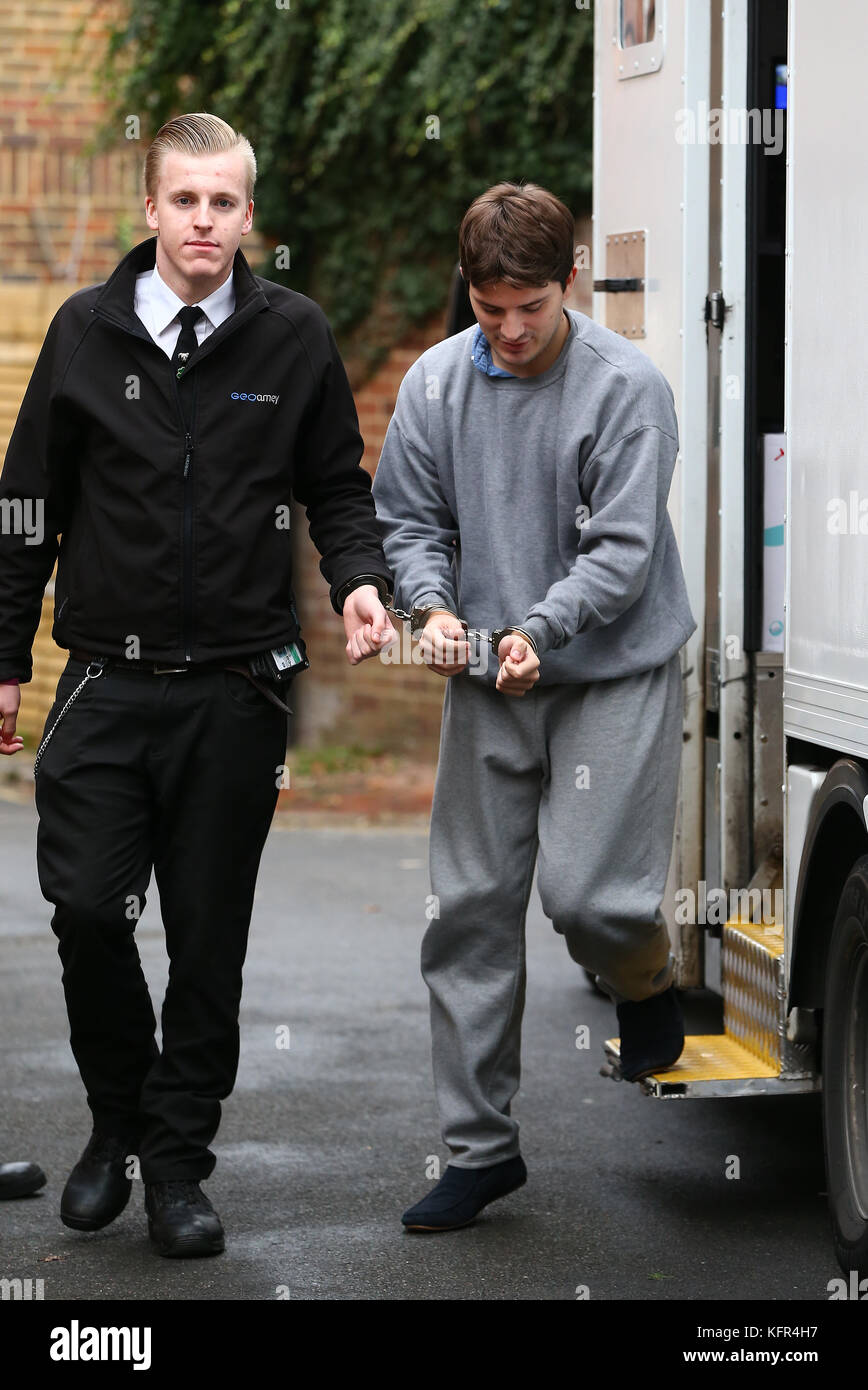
x,y
172,413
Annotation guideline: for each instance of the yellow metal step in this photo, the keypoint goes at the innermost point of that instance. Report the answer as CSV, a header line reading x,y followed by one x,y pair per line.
x,y
714,1061
752,1056
754,987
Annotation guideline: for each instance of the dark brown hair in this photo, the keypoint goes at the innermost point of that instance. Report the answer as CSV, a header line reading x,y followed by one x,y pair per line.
x,y
518,233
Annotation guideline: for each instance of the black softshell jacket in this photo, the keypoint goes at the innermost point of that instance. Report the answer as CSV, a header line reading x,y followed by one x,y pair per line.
x,y
170,497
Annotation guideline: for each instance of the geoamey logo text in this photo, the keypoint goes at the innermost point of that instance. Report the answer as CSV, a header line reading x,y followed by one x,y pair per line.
x,y
254,396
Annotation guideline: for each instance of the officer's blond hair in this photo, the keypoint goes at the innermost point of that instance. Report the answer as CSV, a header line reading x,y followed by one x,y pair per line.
x,y
198,132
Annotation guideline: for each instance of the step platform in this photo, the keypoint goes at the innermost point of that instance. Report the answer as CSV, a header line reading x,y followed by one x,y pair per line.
x,y
753,1055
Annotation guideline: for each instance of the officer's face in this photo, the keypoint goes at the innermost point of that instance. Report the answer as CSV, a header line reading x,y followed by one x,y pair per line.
x,y
526,328
200,215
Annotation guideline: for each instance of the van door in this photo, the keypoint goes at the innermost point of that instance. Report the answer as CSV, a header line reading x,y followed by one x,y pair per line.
x,y
651,267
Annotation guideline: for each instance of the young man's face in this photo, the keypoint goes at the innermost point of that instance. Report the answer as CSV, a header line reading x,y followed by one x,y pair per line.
x,y
526,328
200,215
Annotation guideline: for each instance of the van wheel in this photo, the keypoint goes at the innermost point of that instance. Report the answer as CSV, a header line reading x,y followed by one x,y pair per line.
x,y
845,1073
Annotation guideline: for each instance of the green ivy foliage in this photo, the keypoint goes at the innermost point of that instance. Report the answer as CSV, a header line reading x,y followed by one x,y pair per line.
x,y
375,123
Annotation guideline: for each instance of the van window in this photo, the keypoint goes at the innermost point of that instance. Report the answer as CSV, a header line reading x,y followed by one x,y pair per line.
x,y
636,22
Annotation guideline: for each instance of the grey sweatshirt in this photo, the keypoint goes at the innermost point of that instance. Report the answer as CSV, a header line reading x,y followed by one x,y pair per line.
x,y
540,502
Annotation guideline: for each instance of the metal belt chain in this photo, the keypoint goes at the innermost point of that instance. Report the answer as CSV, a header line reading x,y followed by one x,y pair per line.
x,y
89,676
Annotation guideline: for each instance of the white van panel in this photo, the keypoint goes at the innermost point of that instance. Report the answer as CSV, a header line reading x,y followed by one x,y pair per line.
x,y
826,648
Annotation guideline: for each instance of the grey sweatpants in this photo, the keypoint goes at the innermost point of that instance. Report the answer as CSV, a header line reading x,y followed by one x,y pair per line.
x,y
583,777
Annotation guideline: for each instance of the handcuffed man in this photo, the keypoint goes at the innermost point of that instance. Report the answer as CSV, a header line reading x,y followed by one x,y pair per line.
x,y
522,489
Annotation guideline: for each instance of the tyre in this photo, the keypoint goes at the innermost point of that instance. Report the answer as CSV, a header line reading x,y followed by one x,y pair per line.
x,y
845,1073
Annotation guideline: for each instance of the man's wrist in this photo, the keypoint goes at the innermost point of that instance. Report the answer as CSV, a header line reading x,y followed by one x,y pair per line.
x,y
540,632
500,632
346,589
420,616
527,637
433,601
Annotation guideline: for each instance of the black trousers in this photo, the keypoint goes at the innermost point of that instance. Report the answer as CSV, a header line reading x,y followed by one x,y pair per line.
x,y
179,773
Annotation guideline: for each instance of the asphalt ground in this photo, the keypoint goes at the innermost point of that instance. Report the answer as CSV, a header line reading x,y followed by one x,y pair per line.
x,y
325,1142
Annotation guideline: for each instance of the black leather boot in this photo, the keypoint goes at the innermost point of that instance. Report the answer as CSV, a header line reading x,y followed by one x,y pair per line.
x,y
20,1179
181,1221
98,1188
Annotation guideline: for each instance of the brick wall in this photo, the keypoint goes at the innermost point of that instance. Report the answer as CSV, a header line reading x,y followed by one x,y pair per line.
x,y
61,201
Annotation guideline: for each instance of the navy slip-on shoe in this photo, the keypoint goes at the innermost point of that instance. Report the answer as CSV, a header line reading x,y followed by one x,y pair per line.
x,y
652,1034
461,1194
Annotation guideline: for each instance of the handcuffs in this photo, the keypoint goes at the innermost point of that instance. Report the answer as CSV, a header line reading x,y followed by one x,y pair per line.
x,y
418,617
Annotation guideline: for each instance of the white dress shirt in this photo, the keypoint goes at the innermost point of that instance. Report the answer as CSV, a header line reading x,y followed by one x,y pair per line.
x,y
157,306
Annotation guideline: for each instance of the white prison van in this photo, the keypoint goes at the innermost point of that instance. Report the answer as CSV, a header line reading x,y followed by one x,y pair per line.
x,y
730,216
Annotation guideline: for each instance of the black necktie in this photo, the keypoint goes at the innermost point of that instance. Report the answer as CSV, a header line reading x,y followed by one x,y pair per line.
x,y
187,340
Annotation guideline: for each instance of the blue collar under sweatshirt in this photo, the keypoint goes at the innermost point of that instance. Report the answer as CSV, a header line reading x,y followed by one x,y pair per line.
x,y
480,355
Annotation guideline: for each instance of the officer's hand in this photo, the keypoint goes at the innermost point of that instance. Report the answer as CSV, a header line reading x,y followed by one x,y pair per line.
x,y
366,624
443,645
10,699
519,665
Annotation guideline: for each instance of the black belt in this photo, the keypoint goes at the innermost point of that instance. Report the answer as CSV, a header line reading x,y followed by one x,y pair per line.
x,y
151,668
154,668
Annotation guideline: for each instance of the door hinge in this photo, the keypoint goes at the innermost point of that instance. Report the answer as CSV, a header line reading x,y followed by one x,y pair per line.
x,y
715,309
629,284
